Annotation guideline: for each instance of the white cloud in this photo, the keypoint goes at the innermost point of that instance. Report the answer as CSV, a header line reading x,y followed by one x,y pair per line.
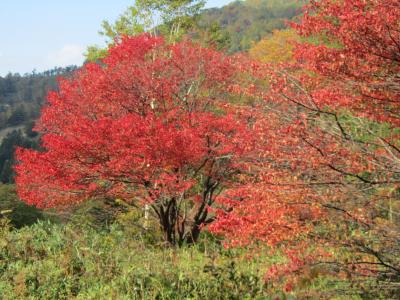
x,y
68,55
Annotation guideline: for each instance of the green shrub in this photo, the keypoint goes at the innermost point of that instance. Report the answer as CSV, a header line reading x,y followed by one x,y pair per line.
x,y
19,213
56,261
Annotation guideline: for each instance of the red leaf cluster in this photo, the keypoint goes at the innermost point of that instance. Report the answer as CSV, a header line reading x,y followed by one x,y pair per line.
x,y
151,121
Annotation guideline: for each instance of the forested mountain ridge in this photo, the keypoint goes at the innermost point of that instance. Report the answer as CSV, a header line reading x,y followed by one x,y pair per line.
x,y
21,96
21,99
246,22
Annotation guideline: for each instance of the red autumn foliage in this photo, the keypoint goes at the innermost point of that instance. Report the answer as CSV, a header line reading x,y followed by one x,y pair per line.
x,y
354,70
156,124
151,124
335,152
359,51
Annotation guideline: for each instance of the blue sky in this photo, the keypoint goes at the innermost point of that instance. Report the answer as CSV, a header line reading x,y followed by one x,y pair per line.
x,y
41,34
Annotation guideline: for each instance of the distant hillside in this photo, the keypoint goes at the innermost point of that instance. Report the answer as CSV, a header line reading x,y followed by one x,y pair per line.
x,y
21,98
251,20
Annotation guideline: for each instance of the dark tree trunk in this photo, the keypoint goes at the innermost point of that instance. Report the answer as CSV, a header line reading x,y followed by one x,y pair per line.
x,y
180,226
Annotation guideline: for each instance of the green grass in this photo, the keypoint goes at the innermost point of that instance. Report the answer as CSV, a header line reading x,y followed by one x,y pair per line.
x,y
101,255
55,261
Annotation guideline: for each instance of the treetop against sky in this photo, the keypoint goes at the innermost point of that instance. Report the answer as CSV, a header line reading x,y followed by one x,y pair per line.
x,y
43,34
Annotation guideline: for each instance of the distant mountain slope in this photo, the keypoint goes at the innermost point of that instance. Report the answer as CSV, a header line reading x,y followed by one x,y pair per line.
x,y
21,98
249,21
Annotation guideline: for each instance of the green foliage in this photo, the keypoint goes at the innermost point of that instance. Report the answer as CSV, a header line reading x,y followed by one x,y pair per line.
x,y
246,22
86,259
96,213
170,18
366,130
17,212
212,35
233,28
13,139
49,261
21,99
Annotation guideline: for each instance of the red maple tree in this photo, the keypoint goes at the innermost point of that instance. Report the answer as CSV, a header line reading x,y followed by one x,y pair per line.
x,y
334,162
152,124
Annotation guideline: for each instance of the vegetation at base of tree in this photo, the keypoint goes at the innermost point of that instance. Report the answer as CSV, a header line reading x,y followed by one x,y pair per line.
x,y
47,261
15,211
81,261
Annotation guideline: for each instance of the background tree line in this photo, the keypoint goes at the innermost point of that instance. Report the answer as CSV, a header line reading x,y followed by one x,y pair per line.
x,y
21,99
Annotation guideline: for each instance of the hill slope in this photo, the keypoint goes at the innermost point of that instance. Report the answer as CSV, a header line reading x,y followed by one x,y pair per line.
x,y
249,21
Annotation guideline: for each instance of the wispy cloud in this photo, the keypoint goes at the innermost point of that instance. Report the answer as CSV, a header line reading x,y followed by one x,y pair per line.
x,y
69,54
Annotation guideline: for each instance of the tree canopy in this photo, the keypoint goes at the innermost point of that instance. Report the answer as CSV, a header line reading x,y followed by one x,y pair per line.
x,y
152,124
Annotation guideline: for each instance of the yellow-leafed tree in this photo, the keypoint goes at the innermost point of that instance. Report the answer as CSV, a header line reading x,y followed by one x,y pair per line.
x,y
276,48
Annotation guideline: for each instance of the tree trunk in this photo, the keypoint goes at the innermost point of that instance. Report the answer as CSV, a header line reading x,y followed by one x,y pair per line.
x,y
181,227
